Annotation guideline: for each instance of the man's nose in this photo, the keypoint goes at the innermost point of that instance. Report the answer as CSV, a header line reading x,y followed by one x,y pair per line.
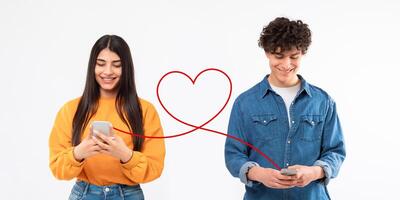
x,y
286,63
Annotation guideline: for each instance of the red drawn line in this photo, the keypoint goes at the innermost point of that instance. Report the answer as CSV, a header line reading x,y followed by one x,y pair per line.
x,y
205,123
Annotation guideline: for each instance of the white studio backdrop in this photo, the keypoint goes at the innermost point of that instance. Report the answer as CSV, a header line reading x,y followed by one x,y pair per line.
x,y
45,46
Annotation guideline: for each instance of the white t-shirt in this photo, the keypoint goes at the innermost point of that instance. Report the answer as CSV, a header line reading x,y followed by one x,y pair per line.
x,y
288,94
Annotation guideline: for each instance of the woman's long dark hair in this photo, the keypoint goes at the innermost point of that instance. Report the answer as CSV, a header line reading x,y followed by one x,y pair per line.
x,y
127,101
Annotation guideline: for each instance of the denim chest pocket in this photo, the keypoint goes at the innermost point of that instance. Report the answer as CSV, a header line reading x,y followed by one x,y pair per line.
x,y
265,126
311,127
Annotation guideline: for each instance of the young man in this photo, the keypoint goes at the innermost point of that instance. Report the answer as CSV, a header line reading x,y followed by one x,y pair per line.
x,y
291,121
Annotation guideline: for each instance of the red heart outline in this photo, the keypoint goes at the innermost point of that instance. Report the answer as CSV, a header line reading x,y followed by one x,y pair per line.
x,y
193,82
201,126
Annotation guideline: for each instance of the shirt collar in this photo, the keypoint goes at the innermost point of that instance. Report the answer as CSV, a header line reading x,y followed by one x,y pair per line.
x,y
265,87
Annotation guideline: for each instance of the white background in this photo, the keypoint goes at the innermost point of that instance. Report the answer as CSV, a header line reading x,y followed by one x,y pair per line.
x,y
45,46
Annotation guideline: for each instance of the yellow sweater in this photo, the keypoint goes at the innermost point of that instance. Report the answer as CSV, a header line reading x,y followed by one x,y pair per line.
x,y
102,169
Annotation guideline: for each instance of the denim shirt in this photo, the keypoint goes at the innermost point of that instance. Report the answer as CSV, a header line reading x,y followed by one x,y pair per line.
x,y
315,138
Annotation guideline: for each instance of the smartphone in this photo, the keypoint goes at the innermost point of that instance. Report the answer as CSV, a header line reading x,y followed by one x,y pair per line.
x,y
288,172
102,126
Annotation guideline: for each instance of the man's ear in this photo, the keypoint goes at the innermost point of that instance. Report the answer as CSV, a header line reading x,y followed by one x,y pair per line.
x,y
268,54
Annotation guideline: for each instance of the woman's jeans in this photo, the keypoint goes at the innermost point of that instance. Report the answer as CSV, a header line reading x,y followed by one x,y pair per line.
x,y
87,191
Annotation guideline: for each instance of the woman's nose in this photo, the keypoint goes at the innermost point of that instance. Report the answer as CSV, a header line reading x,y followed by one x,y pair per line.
x,y
108,69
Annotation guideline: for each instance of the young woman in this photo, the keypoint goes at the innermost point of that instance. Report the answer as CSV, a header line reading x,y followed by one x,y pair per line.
x,y
107,166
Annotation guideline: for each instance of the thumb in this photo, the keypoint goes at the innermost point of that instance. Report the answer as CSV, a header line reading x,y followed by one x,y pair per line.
x,y
91,134
294,167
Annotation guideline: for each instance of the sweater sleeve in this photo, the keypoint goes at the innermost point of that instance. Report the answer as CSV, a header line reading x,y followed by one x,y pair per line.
x,y
62,162
147,164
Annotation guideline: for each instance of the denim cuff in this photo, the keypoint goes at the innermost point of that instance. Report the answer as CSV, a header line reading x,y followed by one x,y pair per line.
x,y
327,170
243,173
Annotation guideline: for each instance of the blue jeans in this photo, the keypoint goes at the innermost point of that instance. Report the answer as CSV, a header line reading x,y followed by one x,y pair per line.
x,y
87,191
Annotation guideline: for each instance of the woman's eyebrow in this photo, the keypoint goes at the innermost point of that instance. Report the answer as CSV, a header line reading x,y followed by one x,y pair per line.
x,y
102,60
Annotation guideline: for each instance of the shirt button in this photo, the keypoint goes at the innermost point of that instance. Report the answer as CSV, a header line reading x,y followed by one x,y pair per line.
x,y
292,122
312,122
107,189
265,121
288,141
287,164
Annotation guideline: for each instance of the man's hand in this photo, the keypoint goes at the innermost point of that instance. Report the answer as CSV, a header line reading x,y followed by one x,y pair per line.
x,y
271,178
306,174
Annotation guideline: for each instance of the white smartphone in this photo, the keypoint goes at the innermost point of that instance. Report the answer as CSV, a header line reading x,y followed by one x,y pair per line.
x,y
288,172
102,126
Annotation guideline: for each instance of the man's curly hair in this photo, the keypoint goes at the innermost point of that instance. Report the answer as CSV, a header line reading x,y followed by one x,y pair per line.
x,y
282,35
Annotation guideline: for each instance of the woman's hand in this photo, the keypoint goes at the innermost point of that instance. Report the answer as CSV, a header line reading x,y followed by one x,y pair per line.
x,y
87,148
114,146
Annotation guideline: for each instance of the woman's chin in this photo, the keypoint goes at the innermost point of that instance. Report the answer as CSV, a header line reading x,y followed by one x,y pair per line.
x,y
108,90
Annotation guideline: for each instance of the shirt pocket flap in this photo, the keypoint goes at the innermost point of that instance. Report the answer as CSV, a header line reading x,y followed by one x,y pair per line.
x,y
312,127
312,120
263,119
265,127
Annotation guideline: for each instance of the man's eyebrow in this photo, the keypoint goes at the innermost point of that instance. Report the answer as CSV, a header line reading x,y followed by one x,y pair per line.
x,y
295,54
